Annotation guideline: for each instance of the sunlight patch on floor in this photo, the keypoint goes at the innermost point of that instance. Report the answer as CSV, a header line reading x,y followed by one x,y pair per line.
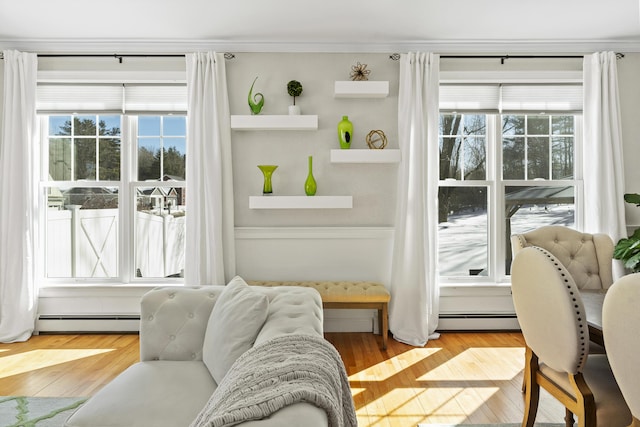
x,y
356,391
402,361
39,359
482,360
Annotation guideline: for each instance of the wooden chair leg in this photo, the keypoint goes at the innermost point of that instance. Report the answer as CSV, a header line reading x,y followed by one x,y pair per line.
x,y
568,418
532,389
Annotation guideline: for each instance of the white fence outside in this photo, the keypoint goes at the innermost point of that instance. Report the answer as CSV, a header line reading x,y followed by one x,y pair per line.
x,y
83,243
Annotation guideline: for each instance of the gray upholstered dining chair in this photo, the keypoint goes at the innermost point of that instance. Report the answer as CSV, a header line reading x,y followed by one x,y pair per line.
x,y
554,326
588,257
620,323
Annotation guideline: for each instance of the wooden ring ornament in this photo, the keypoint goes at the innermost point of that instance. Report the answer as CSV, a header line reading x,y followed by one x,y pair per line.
x,y
374,137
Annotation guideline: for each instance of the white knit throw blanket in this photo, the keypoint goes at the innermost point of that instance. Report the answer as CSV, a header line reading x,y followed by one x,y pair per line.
x,y
280,372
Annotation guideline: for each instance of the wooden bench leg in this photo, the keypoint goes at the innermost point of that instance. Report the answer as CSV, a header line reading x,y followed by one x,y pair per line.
x,y
383,323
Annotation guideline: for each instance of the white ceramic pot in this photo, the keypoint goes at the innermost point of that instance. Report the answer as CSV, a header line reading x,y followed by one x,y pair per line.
x,y
294,110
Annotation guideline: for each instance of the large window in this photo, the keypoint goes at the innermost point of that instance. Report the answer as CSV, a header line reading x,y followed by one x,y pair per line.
x,y
501,174
115,192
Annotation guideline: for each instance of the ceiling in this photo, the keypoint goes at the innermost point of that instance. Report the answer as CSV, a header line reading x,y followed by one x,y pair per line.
x,y
450,25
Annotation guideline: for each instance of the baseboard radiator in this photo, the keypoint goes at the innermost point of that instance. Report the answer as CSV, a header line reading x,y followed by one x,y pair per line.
x,y
69,323
478,322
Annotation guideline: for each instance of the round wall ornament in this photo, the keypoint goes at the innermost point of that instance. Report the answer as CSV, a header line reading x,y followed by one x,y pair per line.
x,y
376,139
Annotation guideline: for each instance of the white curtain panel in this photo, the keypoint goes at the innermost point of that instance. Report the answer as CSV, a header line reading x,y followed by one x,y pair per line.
x,y
414,306
603,171
210,244
19,170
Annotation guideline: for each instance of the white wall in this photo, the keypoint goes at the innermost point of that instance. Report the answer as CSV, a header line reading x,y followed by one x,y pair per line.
x,y
629,86
372,185
366,251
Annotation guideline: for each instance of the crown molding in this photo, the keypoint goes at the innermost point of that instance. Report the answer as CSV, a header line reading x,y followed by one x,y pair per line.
x,y
438,46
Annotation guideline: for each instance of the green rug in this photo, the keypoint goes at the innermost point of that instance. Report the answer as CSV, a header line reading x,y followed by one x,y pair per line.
x,y
37,411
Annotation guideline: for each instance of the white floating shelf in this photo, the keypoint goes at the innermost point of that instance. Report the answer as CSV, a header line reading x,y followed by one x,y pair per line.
x,y
300,202
385,155
361,89
274,122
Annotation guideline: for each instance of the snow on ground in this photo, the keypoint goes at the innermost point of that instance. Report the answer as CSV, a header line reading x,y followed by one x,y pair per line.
x,y
463,239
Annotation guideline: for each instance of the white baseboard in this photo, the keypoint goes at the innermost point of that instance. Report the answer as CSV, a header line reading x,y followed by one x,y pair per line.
x,y
84,324
475,323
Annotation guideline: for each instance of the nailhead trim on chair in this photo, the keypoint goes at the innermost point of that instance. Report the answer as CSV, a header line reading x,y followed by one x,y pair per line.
x,y
564,273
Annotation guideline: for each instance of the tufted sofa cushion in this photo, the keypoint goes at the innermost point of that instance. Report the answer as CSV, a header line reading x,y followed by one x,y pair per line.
x,y
587,257
173,322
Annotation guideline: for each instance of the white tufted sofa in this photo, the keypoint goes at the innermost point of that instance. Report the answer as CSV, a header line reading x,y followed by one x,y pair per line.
x,y
171,384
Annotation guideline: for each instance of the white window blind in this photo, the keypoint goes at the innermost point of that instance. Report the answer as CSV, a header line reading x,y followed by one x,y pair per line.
x,y
511,98
120,98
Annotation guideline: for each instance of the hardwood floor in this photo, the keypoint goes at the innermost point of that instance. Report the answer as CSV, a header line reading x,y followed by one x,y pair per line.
x,y
459,378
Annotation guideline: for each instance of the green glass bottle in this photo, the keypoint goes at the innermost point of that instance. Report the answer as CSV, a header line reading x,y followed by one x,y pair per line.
x,y
345,132
310,185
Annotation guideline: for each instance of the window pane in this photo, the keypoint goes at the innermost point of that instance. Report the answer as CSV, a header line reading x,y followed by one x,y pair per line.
x,y
513,158
174,126
84,125
513,125
174,157
449,155
475,124
475,157
463,152
60,159
82,232
149,159
562,152
538,158
562,125
60,125
462,231
85,159
161,155
149,125
538,125
110,125
109,159
450,124
159,232
532,207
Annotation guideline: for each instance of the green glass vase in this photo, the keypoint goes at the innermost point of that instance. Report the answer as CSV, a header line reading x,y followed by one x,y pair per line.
x,y
267,171
345,132
310,185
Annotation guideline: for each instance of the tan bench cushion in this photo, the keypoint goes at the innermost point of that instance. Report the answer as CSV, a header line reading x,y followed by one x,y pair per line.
x,y
337,292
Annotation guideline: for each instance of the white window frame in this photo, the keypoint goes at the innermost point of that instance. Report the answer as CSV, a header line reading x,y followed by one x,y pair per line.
x,y
126,207
495,185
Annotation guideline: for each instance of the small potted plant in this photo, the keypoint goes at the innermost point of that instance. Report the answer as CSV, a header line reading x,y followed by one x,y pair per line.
x,y
294,88
628,250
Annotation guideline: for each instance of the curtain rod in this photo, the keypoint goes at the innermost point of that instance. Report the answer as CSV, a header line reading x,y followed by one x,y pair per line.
x,y
502,58
119,57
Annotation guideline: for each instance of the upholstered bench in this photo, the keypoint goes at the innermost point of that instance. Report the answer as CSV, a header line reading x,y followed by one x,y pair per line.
x,y
360,295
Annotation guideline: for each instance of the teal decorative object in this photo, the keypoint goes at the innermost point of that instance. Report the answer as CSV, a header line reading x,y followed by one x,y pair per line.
x,y
255,103
267,171
345,132
310,185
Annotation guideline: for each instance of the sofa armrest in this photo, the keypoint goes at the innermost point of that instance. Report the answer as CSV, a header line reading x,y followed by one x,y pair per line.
x,y
173,321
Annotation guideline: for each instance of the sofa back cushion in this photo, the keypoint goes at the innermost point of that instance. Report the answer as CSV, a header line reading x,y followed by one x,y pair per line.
x,y
234,324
